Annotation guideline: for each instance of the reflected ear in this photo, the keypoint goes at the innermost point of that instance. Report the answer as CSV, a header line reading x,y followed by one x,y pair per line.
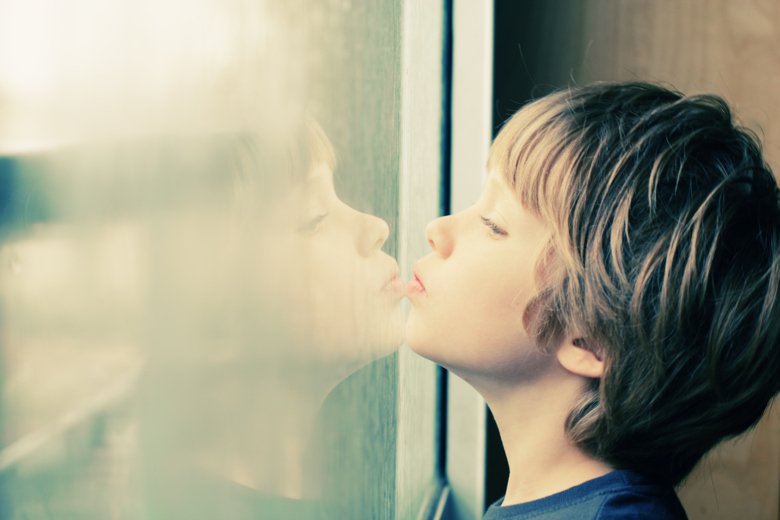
x,y
581,358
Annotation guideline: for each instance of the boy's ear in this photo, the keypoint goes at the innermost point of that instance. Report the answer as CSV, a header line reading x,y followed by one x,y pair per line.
x,y
581,357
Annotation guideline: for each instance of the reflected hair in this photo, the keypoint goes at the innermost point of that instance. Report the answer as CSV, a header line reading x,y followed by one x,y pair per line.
x,y
270,162
664,258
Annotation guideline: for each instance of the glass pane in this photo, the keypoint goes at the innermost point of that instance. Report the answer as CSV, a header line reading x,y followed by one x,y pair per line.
x,y
201,205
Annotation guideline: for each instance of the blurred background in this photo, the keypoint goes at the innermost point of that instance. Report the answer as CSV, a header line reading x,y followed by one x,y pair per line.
x,y
195,196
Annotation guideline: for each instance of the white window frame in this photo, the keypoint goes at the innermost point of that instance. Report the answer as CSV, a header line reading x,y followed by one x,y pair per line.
x,y
472,100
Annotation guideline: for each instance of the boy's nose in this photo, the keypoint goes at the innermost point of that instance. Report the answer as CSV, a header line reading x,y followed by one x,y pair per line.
x,y
373,234
439,237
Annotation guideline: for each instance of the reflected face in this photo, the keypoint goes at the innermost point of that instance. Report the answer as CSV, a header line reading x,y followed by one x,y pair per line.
x,y
345,292
469,293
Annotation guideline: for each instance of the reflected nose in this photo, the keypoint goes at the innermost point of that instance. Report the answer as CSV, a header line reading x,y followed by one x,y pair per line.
x,y
373,233
438,233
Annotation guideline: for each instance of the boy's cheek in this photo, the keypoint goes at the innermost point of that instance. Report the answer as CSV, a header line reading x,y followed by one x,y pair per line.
x,y
477,339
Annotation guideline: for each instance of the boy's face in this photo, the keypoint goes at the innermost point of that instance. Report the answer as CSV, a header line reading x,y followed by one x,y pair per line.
x,y
472,289
345,291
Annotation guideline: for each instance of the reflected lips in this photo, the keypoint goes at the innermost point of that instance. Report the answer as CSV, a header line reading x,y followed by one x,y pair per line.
x,y
394,285
415,286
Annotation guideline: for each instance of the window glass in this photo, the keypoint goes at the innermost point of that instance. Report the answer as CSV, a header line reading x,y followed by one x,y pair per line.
x,y
203,206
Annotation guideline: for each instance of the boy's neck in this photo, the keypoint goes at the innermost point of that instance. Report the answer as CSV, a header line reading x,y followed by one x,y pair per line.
x,y
530,418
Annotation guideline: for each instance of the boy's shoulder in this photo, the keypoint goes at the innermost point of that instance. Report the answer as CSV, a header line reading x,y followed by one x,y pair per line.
x,y
619,494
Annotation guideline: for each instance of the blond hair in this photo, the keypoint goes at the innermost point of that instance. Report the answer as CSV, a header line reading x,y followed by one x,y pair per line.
x,y
665,258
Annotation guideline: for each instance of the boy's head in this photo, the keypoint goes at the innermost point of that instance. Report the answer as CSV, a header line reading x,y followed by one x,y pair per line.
x,y
664,258
317,255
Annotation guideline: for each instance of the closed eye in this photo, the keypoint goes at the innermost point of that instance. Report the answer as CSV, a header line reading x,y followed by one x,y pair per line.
x,y
494,228
310,226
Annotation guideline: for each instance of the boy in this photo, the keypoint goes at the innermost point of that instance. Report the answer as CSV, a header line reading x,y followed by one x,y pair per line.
x,y
612,295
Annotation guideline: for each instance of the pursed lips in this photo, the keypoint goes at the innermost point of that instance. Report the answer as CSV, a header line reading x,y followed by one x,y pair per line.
x,y
393,276
415,286
392,282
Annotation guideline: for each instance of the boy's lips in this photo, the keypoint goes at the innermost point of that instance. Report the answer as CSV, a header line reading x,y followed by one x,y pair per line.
x,y
415,286
393,283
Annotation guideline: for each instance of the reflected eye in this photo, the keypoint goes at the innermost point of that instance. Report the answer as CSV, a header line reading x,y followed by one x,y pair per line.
x,y
312,225
495,229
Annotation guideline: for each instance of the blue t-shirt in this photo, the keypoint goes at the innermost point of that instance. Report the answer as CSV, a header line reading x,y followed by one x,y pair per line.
x,y
620,494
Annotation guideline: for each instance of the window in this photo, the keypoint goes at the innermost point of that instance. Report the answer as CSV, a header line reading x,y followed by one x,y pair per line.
x,y
177,340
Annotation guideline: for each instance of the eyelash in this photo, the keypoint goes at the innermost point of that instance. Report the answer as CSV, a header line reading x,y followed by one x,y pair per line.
x,y
310,227
494,227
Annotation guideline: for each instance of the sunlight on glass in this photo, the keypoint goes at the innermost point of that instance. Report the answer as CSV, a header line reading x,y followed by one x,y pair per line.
x,y
193,277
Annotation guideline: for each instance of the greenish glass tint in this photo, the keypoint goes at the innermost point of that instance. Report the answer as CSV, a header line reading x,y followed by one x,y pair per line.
x,y
207,211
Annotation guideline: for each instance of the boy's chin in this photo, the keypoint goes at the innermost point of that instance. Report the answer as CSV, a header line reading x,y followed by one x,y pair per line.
x,y
425,349
430,344
426,341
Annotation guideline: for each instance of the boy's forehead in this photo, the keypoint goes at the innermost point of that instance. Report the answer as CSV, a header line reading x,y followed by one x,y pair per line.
x,y
491,180
495,182
320,172
499,196
485,176
498,189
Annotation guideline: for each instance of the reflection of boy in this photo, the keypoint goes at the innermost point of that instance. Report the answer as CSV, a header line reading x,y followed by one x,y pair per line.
x,y
658,287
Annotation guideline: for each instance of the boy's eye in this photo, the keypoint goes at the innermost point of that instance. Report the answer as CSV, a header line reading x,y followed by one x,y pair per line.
x,y
312,225
494,228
